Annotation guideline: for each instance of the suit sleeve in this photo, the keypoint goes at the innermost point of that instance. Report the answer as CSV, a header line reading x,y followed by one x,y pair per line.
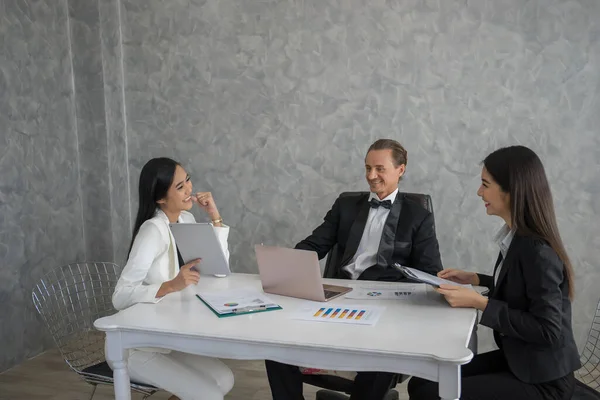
x,y
486,280
130,288
425,254
324,237
541,322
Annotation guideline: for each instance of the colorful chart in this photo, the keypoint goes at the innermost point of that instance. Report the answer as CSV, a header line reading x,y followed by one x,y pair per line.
x,y
341,314
319,312
346,313
374,294
230,304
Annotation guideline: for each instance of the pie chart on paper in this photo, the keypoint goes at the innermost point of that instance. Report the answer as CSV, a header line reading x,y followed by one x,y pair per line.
x,y
374,294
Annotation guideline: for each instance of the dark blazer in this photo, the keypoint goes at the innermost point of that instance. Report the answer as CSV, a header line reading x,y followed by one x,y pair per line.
x,y
408,237
530,312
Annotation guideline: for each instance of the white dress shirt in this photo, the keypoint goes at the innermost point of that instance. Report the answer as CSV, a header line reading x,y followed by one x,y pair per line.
x,y
153,260
366,254
503,239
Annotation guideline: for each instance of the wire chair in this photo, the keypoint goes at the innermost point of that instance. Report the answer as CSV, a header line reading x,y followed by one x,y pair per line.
x,y
69,299
589,373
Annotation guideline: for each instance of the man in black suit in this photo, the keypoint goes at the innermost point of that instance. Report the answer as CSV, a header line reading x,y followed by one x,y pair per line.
x,y
370,232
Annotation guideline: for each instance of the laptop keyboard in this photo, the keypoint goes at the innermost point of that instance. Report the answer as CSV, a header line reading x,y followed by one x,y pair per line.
x,y
329,293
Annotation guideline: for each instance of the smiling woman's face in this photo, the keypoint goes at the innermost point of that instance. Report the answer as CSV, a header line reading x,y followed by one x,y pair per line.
x,y
178,196
497,201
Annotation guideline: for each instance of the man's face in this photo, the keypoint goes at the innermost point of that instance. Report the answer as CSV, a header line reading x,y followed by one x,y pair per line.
x,y
381,173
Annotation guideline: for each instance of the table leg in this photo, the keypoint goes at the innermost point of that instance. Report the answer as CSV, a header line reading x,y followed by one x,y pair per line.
x,y
122,384
117,357
449,382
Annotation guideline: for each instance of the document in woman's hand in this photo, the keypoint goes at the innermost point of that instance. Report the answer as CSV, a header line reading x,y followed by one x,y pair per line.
x,y
424,277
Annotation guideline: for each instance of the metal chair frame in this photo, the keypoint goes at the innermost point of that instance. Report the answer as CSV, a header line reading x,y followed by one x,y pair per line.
x,y
69,299
589,373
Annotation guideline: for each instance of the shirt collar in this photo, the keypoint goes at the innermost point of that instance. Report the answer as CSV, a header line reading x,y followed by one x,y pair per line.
x,y
503,239
161,214
391,197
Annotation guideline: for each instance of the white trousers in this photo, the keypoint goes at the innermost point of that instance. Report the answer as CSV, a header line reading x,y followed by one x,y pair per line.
x,y
187,376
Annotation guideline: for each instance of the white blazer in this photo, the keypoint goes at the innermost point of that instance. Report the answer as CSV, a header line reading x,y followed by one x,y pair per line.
x,y
150,264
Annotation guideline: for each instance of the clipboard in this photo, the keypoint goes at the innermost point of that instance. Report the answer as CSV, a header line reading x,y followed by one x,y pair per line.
x,y
424,277
238,312
229,303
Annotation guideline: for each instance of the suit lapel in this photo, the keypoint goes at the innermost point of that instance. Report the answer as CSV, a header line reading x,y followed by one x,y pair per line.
x,y
498,261
356,231
172,250
506,264
388,235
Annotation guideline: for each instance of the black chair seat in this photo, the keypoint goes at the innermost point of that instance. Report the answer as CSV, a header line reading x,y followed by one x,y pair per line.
x,y
336,387
331,395
103,372
330,382
584,392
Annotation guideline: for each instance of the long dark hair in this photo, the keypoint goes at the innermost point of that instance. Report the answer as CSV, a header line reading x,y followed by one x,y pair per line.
x,y
519,172
155,179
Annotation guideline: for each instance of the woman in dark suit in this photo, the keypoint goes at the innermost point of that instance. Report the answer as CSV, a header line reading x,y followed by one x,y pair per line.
x,y
529,305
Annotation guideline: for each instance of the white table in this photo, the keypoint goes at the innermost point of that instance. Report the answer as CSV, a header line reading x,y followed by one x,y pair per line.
x,y
422,336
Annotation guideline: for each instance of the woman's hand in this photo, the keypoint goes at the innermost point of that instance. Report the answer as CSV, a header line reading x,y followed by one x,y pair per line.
x,y
458,276
186,276
458,296
207,203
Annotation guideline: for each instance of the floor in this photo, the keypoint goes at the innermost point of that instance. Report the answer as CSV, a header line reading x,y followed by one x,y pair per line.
x,y
48,377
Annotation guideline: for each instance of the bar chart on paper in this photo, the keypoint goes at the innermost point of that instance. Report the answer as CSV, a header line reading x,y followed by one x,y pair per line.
x,y
342,314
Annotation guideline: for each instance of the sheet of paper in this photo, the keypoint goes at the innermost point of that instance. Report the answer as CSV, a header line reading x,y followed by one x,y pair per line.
x,y
227,301
387,291
425,277
339,313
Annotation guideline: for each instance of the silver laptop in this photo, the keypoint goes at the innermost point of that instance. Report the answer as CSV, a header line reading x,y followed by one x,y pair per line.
x,y
294,273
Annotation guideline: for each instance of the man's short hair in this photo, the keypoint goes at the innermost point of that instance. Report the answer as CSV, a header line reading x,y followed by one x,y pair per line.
x,y
399,154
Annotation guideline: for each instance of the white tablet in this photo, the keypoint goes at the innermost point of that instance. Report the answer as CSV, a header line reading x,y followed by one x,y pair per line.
x,y
199,240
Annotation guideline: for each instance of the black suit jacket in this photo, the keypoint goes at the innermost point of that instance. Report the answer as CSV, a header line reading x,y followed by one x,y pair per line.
x,y
530,312
408,237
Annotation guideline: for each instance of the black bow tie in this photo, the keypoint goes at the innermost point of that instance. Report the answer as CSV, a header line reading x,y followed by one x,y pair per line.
x,y
374,203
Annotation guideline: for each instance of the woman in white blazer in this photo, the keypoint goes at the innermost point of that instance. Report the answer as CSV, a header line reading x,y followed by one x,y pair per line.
x,y
153,271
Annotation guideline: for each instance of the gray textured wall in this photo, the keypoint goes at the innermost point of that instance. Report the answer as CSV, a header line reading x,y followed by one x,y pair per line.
x,y
272,104
91,119
40,208
55,194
